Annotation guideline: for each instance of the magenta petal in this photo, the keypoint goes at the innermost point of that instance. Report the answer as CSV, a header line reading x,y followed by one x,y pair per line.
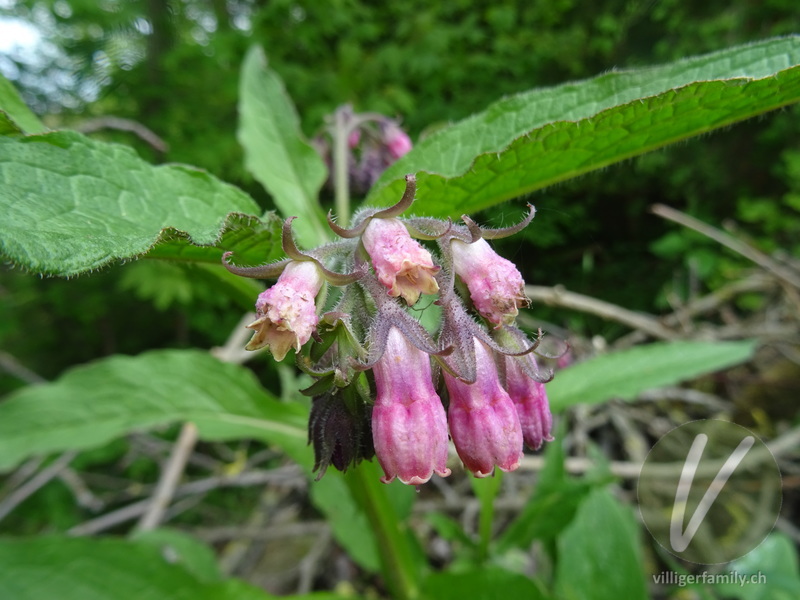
x,y
402,265
483,422
530,399
495,284
409,426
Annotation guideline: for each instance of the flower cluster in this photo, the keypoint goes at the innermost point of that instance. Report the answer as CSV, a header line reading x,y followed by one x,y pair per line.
x,y
373,142
386,385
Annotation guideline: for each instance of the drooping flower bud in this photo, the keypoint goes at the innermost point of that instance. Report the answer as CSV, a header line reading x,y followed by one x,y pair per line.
x,y
483,421
530,400
495,284
286,311
409,425
402,265
397,141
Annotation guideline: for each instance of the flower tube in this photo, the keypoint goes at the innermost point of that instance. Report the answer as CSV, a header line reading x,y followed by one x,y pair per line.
x,y
483,421
409,425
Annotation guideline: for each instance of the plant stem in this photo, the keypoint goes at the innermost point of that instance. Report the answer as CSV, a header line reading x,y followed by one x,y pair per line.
x,y
341,183
486,491
397,560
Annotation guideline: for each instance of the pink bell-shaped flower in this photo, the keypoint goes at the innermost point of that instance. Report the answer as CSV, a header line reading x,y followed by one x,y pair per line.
x,y
409,425
495,285
483,421
530,400
286,311
402,265
397,141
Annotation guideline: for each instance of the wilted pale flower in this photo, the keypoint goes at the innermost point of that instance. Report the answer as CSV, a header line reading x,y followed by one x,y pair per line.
x,y
409,425
286,311
495,285
483,422
400,262
530,400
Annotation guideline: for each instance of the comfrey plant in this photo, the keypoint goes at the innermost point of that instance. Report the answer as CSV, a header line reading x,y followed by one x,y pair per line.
x,y
385,385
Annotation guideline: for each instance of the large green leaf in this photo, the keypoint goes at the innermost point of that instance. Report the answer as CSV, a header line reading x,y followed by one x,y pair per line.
x,y
95,403
770,572
15,116
528,141
598,554
71,204
275,151
625,374
106,569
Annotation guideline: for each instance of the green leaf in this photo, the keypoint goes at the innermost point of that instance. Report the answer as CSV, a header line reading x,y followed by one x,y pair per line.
x,y
346,513
71,204
598,554
95,403
553,504
486,583
15,116
166,283
451,530
253,242
529,141
275,151
347,521
770,572
627,373
181,548
104,569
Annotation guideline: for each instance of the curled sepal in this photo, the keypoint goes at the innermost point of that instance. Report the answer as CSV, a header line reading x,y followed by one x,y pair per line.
x,y
387,213
346,233
459,332
391,314
405,202
270,271
288,243
293,252
494,234
427,228
515,340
